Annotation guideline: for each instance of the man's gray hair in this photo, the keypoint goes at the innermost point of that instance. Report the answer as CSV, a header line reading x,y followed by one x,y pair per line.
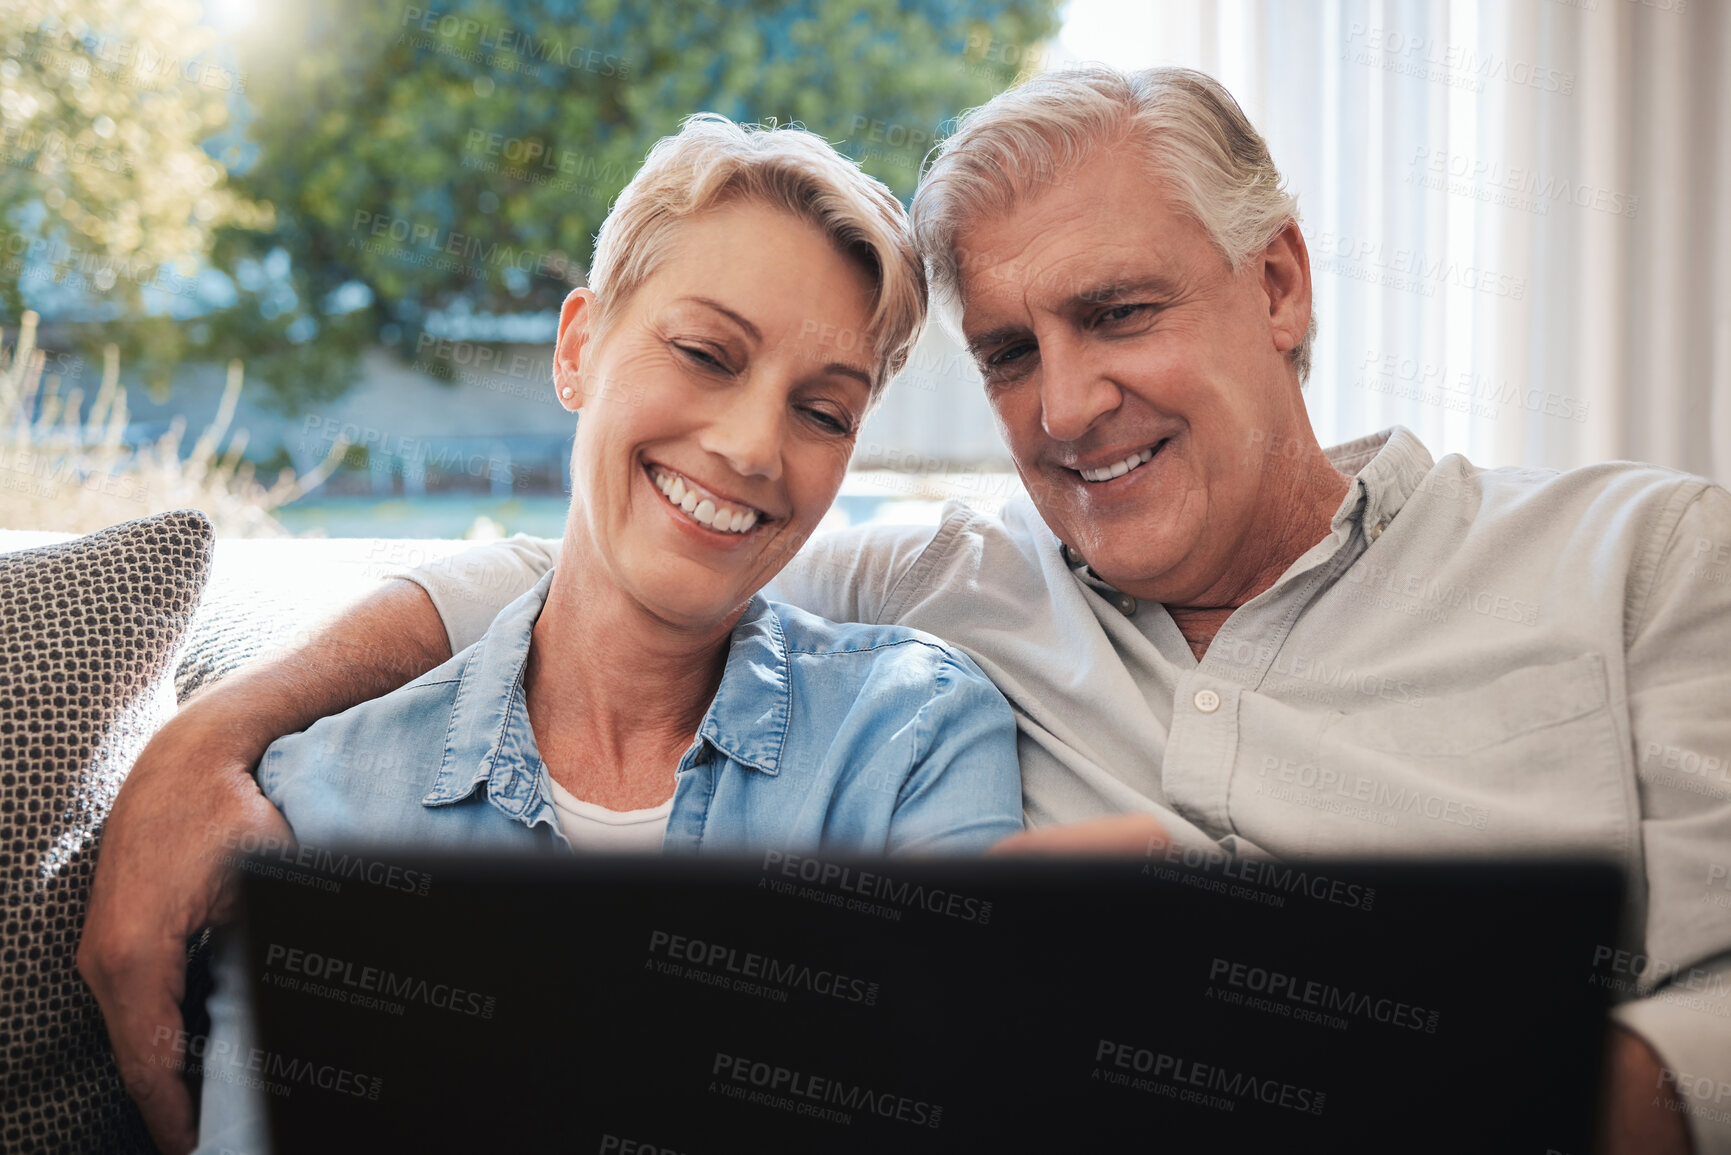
x,y
1200,147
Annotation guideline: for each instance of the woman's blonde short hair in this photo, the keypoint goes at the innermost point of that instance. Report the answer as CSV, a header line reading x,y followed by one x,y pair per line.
x,y
1198,144
712,161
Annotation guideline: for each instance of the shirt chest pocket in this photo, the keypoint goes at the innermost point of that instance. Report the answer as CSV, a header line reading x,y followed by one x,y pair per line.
x,y
1530,761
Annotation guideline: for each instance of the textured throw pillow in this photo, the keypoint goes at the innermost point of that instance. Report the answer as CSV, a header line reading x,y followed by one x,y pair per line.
x,y
88,633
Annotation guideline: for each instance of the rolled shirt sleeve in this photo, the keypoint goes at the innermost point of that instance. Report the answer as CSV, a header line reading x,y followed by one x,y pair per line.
x,y
470,588
964,790
1679,685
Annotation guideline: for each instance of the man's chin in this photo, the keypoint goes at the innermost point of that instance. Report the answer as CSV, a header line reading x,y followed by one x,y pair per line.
x,y
1131,570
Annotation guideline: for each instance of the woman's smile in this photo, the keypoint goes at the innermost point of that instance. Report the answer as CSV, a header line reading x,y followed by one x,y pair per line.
x,y
697,505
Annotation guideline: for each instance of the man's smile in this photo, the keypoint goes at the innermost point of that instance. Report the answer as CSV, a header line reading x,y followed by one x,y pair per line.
x,y
1118,467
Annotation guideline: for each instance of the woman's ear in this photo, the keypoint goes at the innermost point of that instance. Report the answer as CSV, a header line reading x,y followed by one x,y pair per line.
x,y
575,317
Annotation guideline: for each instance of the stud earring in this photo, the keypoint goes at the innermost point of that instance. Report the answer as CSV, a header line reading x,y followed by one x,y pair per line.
x,y
567,392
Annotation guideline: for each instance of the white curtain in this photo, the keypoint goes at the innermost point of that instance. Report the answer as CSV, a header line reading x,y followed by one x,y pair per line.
x,y
1518,211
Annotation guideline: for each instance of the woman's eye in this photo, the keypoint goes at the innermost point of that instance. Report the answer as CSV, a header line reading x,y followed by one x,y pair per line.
x,y
700,356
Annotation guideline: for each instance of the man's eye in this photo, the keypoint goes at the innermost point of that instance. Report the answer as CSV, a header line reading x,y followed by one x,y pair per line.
x,y
1009,355
1121,313
828,421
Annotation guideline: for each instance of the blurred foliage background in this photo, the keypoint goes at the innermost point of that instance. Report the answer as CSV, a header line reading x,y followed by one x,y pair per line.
x,y
329,175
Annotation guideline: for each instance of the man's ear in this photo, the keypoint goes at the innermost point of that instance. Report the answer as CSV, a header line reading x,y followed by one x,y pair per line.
x,y
1286,283
576,316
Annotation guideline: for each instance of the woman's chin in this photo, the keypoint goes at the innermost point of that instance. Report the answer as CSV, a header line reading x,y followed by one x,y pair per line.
x,y
693,604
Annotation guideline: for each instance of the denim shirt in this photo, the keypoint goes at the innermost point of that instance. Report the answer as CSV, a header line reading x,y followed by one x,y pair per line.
x,y
866,739
869,739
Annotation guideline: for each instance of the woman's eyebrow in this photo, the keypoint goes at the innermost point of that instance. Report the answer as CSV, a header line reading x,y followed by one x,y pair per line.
x,y
710,303
841,367
846,370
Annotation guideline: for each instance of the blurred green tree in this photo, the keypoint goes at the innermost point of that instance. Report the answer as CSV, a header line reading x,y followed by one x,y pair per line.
x,y
423,159
355,168
104,105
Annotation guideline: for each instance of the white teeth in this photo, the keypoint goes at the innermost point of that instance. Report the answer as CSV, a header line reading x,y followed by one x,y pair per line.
x,y
1107,473
703,510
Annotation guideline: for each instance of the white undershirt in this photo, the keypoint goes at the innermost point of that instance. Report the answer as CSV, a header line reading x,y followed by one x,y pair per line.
x,y
595,829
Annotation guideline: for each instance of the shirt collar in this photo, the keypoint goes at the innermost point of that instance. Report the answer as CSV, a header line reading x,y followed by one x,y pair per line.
x,y
491,743
748,721
1387,468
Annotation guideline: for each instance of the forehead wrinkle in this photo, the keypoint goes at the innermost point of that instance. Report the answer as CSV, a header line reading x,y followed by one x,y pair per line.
x,y
1044,263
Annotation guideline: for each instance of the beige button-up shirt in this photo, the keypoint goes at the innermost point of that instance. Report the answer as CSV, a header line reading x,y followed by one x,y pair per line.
x,y
1472,661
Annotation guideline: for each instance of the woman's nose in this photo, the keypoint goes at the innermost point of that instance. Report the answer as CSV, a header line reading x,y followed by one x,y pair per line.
x,y
746,431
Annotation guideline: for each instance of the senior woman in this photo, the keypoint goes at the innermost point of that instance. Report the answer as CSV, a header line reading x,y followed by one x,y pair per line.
x,y
751,294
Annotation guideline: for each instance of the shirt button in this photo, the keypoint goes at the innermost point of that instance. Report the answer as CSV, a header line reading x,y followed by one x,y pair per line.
x,y
1126,604
1207,701
1376,530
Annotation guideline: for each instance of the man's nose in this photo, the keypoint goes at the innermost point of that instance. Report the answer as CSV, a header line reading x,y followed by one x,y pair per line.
x,y
1073,394
746,430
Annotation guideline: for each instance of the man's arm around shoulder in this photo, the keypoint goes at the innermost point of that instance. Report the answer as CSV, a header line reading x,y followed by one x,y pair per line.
x,y
190,797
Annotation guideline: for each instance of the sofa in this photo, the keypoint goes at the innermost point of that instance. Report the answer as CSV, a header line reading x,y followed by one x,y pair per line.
x,y
101,637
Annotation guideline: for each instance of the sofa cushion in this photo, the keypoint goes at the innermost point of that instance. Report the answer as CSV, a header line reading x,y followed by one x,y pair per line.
x,y
88,634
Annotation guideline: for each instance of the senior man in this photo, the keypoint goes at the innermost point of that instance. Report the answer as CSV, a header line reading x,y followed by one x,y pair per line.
x,y
1209,627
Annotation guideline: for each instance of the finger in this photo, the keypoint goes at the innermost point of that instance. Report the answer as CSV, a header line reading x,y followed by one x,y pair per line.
x,y
1124,834
142,1013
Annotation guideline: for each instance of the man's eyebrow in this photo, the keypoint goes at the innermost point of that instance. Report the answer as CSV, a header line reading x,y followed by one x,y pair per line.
x,y
1152,286
994,337
710,303
1100,293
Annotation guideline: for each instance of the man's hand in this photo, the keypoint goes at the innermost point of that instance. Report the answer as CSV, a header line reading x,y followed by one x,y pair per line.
x,y
160,877
1641,1113
1122,834
161,871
